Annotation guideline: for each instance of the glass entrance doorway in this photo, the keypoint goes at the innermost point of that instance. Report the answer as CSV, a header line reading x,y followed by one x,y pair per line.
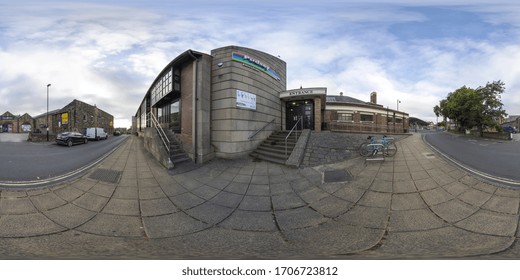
x,y
300,109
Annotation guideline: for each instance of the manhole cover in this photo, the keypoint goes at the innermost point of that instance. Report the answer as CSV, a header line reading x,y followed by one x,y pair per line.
x,y
334,176
106,175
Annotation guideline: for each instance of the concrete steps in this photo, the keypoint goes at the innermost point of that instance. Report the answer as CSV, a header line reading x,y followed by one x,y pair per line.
x,y
177,155
273,148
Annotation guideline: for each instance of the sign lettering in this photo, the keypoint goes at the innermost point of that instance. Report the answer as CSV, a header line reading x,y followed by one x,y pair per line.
x,y
255,64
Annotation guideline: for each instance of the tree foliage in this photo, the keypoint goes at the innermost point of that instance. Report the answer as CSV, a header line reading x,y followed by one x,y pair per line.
x,y
469,108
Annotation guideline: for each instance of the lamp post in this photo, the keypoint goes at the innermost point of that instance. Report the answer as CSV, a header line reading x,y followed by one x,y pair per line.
x,y
47,124
398,101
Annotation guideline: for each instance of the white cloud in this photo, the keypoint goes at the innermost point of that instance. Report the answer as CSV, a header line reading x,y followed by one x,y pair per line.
x,y
100,52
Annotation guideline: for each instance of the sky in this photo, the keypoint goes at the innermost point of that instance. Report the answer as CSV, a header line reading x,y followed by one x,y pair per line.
x,y
108,53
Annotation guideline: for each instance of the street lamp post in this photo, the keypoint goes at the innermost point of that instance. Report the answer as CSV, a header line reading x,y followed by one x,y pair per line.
x,y
47,124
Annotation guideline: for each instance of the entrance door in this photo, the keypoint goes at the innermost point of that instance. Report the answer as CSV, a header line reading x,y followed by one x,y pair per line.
x,y
300,109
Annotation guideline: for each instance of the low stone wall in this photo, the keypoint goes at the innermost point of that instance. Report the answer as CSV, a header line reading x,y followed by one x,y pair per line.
x,y
298,153
493,135
329,147
154,145
41,137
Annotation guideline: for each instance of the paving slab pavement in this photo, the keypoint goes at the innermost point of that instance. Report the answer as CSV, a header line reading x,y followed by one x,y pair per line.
x,y
414,205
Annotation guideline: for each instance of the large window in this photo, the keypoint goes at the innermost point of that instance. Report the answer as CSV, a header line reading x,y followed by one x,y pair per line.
x,y
367,117
169,81
175,116
170,114
345,117
162,87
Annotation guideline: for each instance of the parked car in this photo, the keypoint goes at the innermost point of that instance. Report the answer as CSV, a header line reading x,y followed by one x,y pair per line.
x,y
95,133
71,138
509,129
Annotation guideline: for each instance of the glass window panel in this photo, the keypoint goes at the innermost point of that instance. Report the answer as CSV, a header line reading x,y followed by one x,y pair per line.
x,y
175,117
367,118
345,117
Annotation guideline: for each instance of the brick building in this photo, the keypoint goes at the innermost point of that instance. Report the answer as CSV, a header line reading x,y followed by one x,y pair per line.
x,y
75,116
344,113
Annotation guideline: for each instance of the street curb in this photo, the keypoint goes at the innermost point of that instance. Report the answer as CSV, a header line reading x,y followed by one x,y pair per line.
x,y
21,185
485,176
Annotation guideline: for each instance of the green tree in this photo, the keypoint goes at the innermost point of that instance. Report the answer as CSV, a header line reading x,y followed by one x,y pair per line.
x,y
463,107
491,106
437,112
481,107
441,110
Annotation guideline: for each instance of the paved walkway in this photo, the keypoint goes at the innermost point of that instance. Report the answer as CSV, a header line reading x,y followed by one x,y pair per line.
x,y
412,206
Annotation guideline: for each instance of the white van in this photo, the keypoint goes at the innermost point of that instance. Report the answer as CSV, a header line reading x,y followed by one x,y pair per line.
x,y
96,133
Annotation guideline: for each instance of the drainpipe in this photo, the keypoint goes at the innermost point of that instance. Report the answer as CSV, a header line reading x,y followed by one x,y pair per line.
x,y
195,102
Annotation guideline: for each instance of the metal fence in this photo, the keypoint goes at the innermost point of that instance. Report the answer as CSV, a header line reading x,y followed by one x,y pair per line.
x,y
365,127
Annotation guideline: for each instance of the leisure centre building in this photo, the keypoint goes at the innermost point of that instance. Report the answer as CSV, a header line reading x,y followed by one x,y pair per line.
x,y
226,104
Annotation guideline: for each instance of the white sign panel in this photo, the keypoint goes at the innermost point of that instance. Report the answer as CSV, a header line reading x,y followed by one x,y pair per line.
x,y
246,100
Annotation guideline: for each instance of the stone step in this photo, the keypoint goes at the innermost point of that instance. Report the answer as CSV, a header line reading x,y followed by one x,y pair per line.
x,y
268,158
179,159
273,148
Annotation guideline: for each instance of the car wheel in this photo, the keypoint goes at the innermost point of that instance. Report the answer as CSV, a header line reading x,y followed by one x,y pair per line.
x,y
69,143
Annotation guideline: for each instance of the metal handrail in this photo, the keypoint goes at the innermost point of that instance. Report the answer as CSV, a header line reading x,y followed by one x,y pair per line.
x,y
256,132
296,134
160,131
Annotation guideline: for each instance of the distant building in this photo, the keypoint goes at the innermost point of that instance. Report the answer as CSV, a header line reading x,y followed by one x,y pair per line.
x,y
344,113
75,116
10,123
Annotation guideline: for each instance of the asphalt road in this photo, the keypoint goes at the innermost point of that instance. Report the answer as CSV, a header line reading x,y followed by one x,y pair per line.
x,y
28,161
499,158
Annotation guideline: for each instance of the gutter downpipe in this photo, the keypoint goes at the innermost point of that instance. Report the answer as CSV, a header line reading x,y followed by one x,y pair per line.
x,y
195,100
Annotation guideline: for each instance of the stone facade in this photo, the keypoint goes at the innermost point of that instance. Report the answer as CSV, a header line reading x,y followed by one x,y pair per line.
x,y
75,116
10,123
244,70
195,108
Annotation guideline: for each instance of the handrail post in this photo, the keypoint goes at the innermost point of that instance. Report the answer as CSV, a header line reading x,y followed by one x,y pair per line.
x,y
289,134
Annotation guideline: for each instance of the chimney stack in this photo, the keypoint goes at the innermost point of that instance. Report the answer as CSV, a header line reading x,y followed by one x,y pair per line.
x,y
373,97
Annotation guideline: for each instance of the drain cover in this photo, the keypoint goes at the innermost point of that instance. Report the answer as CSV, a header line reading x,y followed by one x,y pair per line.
x,y
333,176
106,175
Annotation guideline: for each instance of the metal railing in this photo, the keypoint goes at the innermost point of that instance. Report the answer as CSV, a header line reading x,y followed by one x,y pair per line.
x,y
365,127
258,131
162,134
300,120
